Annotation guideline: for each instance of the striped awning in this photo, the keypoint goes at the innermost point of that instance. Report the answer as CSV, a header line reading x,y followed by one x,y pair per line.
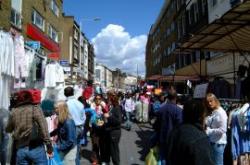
x,y
229,33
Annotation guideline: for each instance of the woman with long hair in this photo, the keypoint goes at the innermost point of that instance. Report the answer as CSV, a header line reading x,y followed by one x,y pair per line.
x,y
113,121
216,127
66,132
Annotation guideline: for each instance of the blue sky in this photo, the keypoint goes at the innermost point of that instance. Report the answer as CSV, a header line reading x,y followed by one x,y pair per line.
x,y
121,33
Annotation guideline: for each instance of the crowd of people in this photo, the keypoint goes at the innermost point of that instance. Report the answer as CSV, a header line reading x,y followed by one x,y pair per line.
x,y
186,132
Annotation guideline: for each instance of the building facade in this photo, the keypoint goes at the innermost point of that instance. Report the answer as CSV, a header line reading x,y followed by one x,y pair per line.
x,y
177,21
39,21
91,62
103,76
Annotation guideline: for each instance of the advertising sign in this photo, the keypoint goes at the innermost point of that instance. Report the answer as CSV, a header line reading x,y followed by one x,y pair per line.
x,y
33,44
200,91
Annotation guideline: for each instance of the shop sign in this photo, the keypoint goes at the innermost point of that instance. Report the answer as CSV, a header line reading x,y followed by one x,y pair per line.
x,y
200,91
33,44
64,62
66,69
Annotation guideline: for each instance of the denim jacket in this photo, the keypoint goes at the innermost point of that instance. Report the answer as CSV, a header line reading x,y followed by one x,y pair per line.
x,y
66,135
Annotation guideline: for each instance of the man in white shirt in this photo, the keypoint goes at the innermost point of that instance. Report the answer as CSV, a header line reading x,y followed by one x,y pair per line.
x,y
77,112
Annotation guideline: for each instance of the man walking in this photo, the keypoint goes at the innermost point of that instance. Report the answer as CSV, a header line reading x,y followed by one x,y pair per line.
x,y
77,112
168,116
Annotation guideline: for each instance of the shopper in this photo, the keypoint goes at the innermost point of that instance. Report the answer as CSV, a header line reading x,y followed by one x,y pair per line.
x,y
66,132
113,121
30,132
129,109
216,127
167,117
188,143
76,110
98,133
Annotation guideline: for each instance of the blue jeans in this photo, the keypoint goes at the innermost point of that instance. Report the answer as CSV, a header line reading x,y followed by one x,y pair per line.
x,y
3,148
79,135
128,122
162,154
36,155
218,152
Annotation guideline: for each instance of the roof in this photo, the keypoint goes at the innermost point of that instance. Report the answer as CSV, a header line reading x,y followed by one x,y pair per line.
x,y
231,32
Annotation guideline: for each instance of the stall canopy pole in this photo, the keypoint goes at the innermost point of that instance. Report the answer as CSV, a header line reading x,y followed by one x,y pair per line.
x,y
234,73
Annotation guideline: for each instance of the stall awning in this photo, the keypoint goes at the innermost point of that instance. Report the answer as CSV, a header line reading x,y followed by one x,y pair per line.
x,y
229,33
154,77
174,78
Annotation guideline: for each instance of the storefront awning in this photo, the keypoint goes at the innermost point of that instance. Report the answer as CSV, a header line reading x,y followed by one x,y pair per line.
x,y
173,78
154,77
231,32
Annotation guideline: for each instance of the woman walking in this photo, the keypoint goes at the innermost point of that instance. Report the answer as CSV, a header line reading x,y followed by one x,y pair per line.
x,y
113,121
66,132
216,128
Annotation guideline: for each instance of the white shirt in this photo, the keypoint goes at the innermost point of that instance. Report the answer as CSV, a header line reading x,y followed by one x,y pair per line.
x,y
217,126
129,105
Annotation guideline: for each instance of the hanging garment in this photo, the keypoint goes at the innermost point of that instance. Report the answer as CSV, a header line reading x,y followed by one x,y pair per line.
x,y
21,67
53,74
7,54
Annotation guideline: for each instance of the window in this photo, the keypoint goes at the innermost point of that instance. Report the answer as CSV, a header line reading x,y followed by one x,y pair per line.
x,y
172,27
16,9
183,25
204,3
75,34
54,8
196,12
53,33
98,74
37,20
214,2
75,52
16,18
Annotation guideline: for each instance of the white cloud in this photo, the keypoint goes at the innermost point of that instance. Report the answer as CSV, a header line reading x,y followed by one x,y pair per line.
x,y
115,48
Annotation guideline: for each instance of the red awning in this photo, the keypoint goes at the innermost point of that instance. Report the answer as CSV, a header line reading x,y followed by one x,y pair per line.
x,y
34,33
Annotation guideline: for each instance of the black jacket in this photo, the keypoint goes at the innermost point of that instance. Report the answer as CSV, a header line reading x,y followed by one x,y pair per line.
x,y
188,144
115,119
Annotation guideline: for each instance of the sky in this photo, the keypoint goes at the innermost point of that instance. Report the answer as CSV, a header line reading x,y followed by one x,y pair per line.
x,y
120,36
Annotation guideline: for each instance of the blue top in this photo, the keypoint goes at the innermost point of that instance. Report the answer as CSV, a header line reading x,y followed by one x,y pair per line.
x,y
240,139
66,135
156,105
76,110
92,114
169,115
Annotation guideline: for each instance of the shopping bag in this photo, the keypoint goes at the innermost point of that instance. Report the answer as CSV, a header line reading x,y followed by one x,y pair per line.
x,y
56,159
152,157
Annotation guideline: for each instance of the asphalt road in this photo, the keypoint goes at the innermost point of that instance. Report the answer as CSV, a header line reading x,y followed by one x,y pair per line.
x,y
134,146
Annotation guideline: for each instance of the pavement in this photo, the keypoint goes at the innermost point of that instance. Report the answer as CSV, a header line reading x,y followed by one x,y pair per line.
x,y
134,145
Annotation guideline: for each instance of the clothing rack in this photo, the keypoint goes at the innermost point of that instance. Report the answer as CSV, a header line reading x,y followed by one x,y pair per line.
x,y
230,99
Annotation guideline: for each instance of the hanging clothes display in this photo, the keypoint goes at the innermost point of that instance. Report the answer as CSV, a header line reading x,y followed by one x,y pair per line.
x,y
240,131
21,67
7,72
53,74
